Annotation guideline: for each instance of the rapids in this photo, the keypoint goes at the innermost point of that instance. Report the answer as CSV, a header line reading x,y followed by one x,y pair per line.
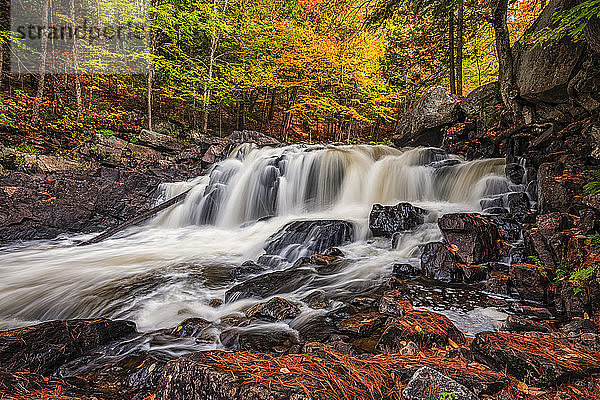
x,y
175,265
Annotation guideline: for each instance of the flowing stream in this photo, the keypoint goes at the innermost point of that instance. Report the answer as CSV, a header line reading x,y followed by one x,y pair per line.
x,y
179,264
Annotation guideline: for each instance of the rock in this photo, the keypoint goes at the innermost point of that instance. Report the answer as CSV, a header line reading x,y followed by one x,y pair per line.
x,y
515,173
498,284
510,230
559,186
517,324
320,259
201,376
473,273
578,327
493,202
132,376
427,383
404,271
362,324
159,141
270,284
439,262
543,361
386,220
247,268
479,101
543,73
191,327
304,238
42,206
568,302
539,313
392,303
259,339
45,347
247,136
276,309
477,239
423,327
530,281
316,300
518,204
423,125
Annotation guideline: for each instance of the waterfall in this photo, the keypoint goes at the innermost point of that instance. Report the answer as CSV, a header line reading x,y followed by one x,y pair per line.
x,y
255,183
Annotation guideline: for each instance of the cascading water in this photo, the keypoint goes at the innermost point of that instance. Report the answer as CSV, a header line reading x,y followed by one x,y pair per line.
x,y
177,265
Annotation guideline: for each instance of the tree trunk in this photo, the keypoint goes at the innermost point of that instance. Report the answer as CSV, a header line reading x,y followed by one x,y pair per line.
x,y
451,51
506,75
42,78
459,47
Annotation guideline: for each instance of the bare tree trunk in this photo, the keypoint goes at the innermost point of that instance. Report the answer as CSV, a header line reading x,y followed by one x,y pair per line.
x,y
460,20
506,75
76,65
451,50
42,78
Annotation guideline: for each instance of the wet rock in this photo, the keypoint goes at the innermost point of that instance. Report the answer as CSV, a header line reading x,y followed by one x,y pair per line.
x,y
515,173
191,327
333,252
258,338
132,376
316,300
320,259
319,328
578,327
532,311
423,125
439,262
473,273
495,202
247,268
573,302
304,238
276,309
477,239
518,204
530,281
362,324
42,206
404,271
462,353
386,220
270,284
423,327
235,320
542,361
200,376
510,230
393,303
517,324
498,284
215,303
45,347
411,349
427,383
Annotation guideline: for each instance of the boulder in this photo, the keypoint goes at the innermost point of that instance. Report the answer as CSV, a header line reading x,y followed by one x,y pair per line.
x,y
276,309
517,324
531,281
45,347
203,376
423,125
479,101
259,339
498,284
518,204
159,141
559,186
362,324
427,383
191,327
544,361
386,220
423,327
578,327
477,239
270,284
304,238
439,262
393,303
317,300
473,273
515,173
404,271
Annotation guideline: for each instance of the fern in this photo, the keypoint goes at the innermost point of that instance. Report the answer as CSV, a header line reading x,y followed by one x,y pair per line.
x,y
593,187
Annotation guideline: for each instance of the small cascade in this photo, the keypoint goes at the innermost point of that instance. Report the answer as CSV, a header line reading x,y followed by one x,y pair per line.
x,y
254,183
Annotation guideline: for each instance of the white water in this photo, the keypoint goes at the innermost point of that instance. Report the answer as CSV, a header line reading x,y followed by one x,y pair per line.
x,y
171,268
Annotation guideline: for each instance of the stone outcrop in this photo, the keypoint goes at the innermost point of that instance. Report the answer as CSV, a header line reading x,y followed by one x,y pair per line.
x,y
423,125
387,220
477,239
